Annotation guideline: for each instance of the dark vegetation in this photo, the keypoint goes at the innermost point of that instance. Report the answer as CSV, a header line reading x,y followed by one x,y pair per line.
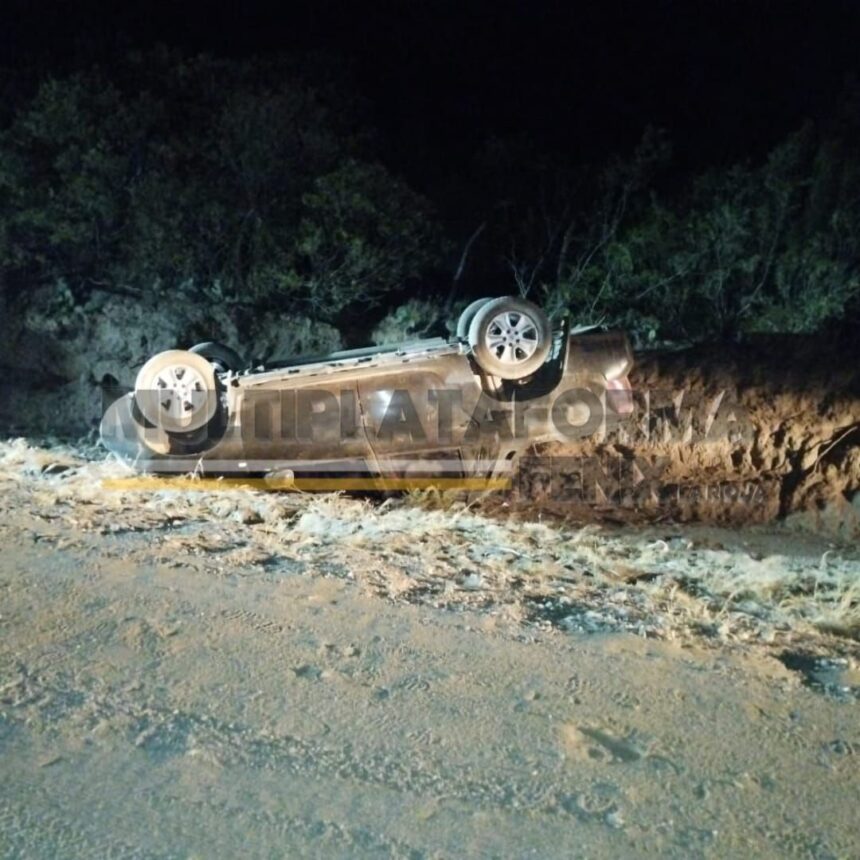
x,y
257,183
248,182
257,186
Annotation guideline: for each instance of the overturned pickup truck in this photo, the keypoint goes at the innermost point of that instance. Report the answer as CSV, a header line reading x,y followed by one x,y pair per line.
x,y
465,406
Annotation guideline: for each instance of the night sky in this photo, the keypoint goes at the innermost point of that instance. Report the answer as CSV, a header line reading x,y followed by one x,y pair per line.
x,y
726,79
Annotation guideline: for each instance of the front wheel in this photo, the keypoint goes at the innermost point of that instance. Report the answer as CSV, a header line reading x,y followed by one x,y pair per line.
x,y
177,391
510,338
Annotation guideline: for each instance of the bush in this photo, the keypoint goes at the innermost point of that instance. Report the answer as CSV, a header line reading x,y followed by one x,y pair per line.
x,y
410,321
363,235
769,247
182,173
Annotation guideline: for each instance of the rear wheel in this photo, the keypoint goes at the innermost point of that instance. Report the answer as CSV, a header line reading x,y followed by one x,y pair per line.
x,y
465,318
222,356
176,391
510,337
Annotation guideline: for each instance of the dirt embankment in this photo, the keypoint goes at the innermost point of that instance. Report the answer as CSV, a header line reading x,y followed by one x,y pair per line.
x,y
61,362
736,435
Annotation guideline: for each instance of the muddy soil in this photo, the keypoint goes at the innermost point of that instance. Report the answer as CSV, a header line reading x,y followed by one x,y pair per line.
x,y
739,435
225,674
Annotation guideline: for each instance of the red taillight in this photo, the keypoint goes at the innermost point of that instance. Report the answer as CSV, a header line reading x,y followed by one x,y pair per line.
x,y
619,395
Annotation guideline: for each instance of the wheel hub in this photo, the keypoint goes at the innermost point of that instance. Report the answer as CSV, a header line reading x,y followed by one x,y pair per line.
x,y
512,337
181,392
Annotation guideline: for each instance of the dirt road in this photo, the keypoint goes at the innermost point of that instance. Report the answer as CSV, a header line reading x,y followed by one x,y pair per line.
x,y
177,685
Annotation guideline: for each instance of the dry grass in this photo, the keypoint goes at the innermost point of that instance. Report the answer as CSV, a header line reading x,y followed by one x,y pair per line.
x,y
438,548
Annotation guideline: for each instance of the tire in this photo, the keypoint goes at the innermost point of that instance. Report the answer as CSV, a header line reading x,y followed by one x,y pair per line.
x,y
176,391
510,338
465,318
223,357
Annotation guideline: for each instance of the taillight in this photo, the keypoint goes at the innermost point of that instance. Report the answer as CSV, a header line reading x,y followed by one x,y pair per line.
x,y
619,395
